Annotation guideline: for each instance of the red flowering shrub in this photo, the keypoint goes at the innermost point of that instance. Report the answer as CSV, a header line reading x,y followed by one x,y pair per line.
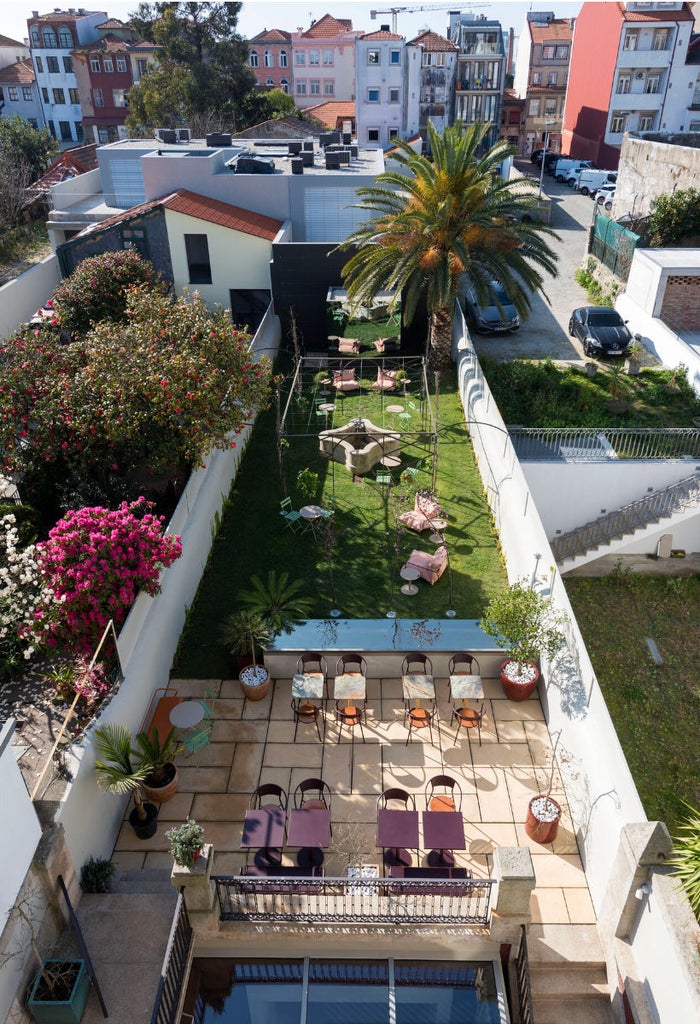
x,y
95,562
98,287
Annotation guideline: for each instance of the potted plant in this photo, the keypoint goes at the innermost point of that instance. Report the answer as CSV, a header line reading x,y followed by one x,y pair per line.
x,y
634,353
160,785
401,378
186,842
120,772
543,811
96,875
59,992
321,379
245,632
526,624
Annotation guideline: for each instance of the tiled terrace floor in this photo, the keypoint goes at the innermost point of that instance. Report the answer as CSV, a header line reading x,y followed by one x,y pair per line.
x,y
252,742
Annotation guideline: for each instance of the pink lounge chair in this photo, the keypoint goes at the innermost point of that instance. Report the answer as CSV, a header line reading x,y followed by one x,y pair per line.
x,y
429,565
348,346
425,509
385,380
387,344
344,380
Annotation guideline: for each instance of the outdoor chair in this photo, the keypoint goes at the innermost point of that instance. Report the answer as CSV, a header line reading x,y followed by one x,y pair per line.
x,y
291,516
349,346
312,664
396,795
443,793
425,509
308,714
468,718
207,701
383,476
385,380
351,662
387,345
417,664
422,718
429,565
259,797
313,794
197,738
463,664
344,380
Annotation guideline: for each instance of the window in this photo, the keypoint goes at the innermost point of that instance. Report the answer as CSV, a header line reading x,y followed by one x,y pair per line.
x,y
552,78
652,84
121,65
373,57
301,88
45,94
98,98
373,95
197,250
49,37
64,127
95,64
393,133
13,93
118,97
536,78
52,128
373,135
142,67
270,82
427,59
329,88
34,36
394,95
314,57
646,122
27,92
52,65
617,123
254,62
68,65
73,96
300,58
562,52
284,85
631,39
59,96
33,122
102,135
548,52
65,38
283,58
268,59
440,60
661,39
327,57
315,87
395,57
623,84
38,63
534,108
79,132
108,65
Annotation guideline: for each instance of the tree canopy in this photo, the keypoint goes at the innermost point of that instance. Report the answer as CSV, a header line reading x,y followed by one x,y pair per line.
x,y
676,217
23,144
440,218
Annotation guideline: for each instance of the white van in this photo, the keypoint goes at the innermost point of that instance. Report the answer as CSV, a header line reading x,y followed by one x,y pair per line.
x,y
589,180
567,164
571,177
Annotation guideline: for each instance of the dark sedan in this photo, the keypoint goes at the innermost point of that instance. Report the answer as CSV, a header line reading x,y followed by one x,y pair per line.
x,y
601,330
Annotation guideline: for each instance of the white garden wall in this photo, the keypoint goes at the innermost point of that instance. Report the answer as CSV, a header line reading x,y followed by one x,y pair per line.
x,y
21,297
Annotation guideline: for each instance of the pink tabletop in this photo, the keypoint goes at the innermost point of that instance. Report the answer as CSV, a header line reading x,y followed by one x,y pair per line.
x,y
443,830
396,829
263,828
310,827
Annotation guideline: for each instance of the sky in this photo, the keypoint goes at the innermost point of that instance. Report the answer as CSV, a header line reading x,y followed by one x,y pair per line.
x,y
288,14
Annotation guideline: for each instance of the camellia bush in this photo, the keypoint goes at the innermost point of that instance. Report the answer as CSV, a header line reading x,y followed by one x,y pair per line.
x,y
98,287
94,563
675,217
21,593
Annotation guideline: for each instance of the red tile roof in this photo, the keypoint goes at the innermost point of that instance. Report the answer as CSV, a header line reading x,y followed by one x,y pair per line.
x,y
331,112
382,34
683,14
6,41
112,23
557,30
228,216
327,26
433,42
64,16
69,164
19,73
273,35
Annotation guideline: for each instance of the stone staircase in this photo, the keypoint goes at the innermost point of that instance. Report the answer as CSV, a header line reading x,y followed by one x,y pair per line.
x,y
568,976
586,542
143,880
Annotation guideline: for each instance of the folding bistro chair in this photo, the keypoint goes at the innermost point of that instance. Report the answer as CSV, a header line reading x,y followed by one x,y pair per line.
x,y
291,516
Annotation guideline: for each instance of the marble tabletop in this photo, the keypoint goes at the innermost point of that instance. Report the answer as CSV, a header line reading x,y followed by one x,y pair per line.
x,y
350,686
417,686
466,687
308,684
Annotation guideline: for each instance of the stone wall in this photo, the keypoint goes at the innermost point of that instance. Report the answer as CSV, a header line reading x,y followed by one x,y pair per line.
x,y
651,168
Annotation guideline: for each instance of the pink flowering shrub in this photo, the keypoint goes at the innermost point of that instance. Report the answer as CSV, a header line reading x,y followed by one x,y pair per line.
x,y
95,562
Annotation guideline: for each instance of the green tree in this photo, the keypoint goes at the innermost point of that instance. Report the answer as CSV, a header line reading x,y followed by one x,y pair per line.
x,y
441,218
675,218
23,143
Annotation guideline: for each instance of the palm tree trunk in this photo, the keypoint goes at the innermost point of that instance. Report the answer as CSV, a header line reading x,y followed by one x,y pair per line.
x,y
440,339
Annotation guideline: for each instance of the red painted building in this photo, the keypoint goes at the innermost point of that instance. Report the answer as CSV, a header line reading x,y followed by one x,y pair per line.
x,y
270,59
104,71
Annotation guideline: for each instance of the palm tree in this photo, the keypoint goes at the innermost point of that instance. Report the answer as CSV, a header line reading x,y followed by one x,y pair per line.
x,y
440,218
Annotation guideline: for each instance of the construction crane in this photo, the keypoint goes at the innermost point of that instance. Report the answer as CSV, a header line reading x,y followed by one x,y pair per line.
x,y
395,11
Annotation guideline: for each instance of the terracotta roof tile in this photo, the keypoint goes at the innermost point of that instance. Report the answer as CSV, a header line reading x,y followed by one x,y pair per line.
x,y
19,73
683,14
6,41
272,35
558,30
327,26
65,16
228,216
69,164
329,113
112,23
433,42
382,34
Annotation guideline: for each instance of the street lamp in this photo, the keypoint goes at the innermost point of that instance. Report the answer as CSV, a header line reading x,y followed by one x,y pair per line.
x,y
547,126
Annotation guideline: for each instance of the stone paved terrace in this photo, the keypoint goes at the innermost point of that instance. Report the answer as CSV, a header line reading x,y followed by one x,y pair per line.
x,y
252,742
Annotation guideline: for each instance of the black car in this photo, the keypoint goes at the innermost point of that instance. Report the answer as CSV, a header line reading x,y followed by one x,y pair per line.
x,y
601,329
536,155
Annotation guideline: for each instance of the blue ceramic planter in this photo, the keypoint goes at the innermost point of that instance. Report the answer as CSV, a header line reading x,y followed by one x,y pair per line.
x,y
69,1011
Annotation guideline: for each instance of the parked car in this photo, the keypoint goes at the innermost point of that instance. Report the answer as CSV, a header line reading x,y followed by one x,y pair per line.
x,y
605,197
601,330
536,155
590,180
498,315
566,164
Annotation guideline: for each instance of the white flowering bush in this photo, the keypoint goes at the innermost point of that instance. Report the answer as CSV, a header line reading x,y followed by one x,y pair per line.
x,y
22,592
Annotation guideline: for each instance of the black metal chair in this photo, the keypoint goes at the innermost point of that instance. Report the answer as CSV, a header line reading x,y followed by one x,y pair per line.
x,y
308,713
318,798
417,664
268,789
463,664
443,793
468,718
351,662
313,662
397,795
422,718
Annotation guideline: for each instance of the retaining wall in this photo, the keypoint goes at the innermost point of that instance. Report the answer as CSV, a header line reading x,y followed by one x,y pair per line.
x,y
21,297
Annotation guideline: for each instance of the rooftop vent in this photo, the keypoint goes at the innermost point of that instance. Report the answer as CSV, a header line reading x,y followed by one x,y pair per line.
x,y
218,139
183,134
297,165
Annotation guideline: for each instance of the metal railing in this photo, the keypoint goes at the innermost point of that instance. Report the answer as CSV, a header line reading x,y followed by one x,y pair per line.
x,y
636,515
173,973
592,444
366,900
522,974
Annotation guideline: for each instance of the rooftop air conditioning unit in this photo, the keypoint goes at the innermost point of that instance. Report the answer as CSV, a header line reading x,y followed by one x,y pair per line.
x,y
183,134
167,135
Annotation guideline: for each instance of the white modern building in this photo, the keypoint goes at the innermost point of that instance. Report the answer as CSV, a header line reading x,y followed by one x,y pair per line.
x,y
482,68
52,38
386,107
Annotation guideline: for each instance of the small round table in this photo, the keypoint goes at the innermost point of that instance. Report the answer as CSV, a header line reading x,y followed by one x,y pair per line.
x,y
409,574
390,462
311,512
439,527
327,407
394,408
186,714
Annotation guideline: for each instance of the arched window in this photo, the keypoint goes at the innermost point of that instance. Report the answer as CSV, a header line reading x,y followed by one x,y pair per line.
x,y
284,85
254,62
267,59
34,35
283,58
270,82
49,37
65,38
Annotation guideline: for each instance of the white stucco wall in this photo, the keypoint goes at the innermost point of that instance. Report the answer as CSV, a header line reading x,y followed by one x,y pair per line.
x,y
21,297
237,260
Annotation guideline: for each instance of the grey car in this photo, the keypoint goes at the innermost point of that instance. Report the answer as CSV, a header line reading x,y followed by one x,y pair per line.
x,y
497,316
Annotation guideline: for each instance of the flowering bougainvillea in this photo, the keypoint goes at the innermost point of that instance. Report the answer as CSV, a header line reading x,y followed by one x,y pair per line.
x,y
94,562
98,287
21,593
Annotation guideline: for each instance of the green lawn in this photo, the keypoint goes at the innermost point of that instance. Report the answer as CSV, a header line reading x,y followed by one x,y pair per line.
x,y
370,551
656,710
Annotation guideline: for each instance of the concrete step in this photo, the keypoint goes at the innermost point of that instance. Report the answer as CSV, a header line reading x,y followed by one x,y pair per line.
x,y
147,880
585,1011
564,945
568,982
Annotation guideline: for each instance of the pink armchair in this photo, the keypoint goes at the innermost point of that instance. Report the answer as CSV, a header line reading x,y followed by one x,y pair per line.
x,y
425,509
430,566
344,380
385,380
348,346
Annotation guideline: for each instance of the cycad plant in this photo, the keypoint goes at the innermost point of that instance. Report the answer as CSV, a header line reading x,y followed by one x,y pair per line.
x,y
119,770
686,859
277,601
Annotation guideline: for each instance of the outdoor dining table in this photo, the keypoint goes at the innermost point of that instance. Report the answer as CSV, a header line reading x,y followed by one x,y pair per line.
x,y
350,686
397,833
418,686
186,714
307,685
264,828
443,831
466,687
310,829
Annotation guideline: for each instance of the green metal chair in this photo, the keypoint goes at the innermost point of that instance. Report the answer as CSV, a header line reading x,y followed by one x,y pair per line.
x,y
197,738
383,476
290,515
207,701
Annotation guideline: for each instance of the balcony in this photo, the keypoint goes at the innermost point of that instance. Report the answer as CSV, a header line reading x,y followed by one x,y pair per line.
x,y
657,59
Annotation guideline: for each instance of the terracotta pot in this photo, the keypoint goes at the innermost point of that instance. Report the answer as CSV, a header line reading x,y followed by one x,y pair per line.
x,y
255,691
515,690
161,794
539,830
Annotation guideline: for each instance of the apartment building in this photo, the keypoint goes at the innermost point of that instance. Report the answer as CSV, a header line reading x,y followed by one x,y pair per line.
x,y
481,70
436,72
52,39
324,61
541,76
639,54
381,75
104,74
270,59
19,95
